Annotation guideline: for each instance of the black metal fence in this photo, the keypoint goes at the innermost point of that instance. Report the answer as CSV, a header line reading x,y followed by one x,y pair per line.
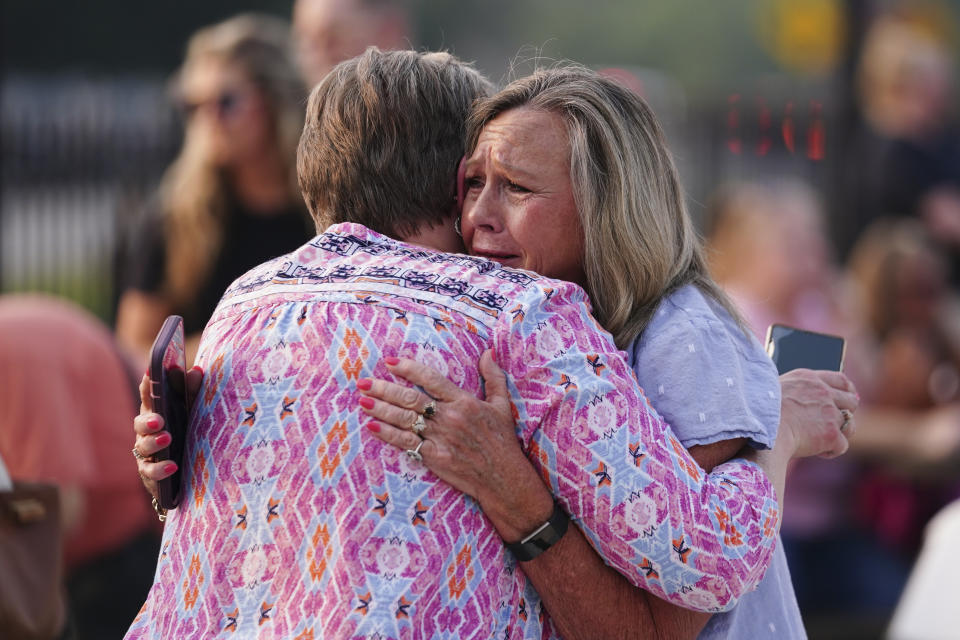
x,y
79,157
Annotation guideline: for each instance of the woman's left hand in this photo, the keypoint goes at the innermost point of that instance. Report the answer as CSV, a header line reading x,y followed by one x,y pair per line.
x,y
468,442
818,408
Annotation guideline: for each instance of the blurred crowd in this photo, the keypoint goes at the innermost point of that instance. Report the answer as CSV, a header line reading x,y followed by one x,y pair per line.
x,y
883,272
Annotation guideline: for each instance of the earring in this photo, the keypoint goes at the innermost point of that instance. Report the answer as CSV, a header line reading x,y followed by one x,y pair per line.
x,y
456,226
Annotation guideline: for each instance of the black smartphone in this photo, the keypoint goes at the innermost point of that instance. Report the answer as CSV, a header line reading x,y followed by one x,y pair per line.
x,y
168,389
793,348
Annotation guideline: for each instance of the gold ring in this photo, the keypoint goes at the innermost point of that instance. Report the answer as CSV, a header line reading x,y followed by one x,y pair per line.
x,y
430,410
414,454
847,417
419,425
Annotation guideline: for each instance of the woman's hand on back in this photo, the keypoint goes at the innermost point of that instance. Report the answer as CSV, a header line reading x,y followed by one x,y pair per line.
x,y
470,443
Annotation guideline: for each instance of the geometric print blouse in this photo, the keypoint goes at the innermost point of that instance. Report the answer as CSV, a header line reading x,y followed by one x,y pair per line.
x,y
295,522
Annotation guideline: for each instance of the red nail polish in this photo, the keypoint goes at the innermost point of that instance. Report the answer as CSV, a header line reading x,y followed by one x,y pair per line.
x,y
390,360
374,426
163,439
170,468
366,403
153,424
364,384
196,367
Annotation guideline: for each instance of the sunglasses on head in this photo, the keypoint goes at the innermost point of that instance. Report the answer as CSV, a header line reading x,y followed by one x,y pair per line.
x,y
225,104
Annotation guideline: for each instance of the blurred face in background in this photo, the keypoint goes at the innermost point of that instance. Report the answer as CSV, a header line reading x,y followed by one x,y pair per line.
x,y
906,78
327,32
919,288
805,251
771,244
225,112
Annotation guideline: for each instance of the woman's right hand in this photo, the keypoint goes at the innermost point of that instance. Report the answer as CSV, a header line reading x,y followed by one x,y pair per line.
x,y
151,436
817,408
468,442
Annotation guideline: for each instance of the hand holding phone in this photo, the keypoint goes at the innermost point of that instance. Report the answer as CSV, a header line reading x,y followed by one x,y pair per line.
x,y
792,348
168,391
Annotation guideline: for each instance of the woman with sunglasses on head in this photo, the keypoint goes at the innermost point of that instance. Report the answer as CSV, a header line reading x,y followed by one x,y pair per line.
x,y
230,199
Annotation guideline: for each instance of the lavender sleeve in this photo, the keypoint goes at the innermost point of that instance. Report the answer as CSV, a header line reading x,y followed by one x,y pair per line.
x,y
708,378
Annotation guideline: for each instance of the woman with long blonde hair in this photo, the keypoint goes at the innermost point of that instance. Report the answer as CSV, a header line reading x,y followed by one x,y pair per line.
x,y
567,173
230,200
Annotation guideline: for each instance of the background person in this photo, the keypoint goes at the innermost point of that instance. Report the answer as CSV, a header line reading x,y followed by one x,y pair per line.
x,y
767,246
65,405
926,610
327,32
851,526
902,156
229,201
911,326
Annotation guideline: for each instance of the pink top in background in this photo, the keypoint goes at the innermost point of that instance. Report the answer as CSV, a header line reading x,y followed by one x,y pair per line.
x,y
66,406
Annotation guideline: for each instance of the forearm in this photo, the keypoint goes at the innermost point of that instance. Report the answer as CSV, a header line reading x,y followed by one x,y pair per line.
x,y
139,317
700,564
774,462
883,434
611,608
710,455
910,440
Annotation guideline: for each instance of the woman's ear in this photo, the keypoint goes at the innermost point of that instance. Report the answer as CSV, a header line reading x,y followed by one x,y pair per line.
x,y
461,172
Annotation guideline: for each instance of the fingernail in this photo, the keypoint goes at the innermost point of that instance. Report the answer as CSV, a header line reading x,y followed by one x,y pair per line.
x,y
170,468
196,367
374,426
364,384
163,439
366,403
153,424
390,360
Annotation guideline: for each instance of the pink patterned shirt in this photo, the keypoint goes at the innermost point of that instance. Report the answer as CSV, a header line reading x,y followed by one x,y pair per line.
x,y
298,523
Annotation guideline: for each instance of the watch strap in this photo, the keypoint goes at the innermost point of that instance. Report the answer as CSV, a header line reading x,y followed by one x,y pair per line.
x,y
544,537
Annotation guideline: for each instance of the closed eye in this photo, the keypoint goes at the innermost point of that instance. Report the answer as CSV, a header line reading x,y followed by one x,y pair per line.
x,y
473,183
517,188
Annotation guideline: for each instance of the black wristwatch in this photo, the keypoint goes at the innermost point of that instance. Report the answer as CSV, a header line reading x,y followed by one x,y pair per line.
x,y
543,538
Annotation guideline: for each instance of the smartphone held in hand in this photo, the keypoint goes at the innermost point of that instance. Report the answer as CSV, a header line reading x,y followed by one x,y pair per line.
x,y
168,390
792,348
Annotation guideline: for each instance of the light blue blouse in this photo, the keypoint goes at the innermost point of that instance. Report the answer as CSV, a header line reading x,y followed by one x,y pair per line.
x,y
711,381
